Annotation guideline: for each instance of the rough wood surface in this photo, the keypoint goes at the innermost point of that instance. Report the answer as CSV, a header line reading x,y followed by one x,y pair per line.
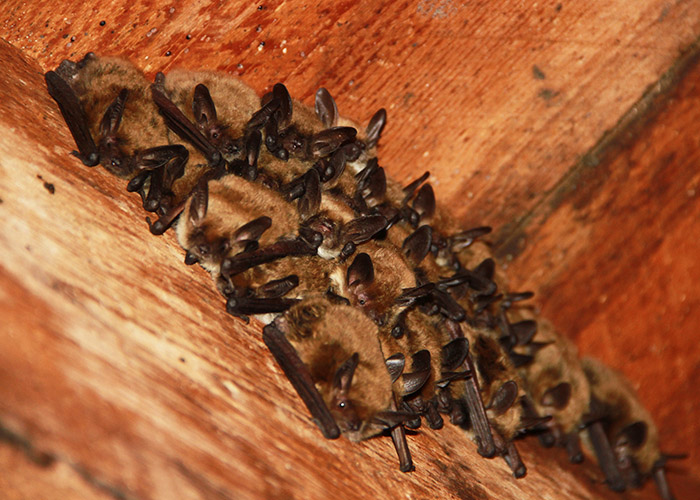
x,y
615,253
148,388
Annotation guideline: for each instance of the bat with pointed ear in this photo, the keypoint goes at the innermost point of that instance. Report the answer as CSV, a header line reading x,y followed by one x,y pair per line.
x,y
107,107
330,354
620,426
303,135
556,383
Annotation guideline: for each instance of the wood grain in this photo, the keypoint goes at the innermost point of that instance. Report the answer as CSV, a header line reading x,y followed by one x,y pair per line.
x,y
616,248
120,361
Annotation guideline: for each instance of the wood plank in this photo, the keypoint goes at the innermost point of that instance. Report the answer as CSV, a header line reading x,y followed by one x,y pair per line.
x,y
119,360
460,63
617,249
517,91
26,479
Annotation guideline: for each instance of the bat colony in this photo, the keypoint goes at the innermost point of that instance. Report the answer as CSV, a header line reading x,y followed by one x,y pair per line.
x,y
378,314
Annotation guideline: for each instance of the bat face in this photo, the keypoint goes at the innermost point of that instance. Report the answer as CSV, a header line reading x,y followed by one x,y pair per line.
x,y
223,217
374,280
219,106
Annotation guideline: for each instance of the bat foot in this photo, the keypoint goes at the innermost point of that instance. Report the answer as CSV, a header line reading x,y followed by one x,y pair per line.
x,y
91,160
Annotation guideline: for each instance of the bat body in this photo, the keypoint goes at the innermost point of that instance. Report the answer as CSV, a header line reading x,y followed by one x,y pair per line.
x,y
628,427
107,104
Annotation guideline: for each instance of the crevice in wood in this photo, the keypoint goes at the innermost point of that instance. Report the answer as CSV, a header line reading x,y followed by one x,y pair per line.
x,y
40,458
44,459
510,240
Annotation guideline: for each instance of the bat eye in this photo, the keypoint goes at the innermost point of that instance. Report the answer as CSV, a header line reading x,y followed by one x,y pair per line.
x,y
342,405
203,250
215,135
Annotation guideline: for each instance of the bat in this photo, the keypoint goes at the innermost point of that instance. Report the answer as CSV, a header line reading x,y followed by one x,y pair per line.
x,y
107,106
628,428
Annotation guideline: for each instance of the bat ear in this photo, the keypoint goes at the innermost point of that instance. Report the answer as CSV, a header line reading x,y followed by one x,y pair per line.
x,y
424,203
252,146
486,268
410,189
504,398
520,360
523,331
284,113
199,203
420,373
203,107
253,230
413,381
454,354
375,127
343,376
326,109
395,364
361,271
371,182
417,245
635,434
558,396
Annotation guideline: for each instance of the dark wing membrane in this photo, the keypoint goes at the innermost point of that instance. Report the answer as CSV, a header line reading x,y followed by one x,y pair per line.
x,y
297,373
75,117
183,127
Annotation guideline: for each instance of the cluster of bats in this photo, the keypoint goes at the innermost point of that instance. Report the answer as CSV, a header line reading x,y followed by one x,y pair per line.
x,y
379,314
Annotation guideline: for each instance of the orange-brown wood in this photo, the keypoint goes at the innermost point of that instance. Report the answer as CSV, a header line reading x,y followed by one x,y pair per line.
x,y
615,253
497,100
23,479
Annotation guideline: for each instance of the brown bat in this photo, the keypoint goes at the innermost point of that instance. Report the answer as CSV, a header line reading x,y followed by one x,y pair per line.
x,y
225,227
494,375
627,426
556,384
107,106
233,137
387,295
331,355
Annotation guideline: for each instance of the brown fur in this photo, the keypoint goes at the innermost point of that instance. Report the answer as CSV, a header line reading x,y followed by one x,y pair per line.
x,y
494,369
235,102
554,364
622,408
99,82
233,202
392,274
325,335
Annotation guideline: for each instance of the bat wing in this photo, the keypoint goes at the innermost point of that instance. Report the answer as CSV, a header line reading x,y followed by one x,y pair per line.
x,y
183,126
75,118
297,373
